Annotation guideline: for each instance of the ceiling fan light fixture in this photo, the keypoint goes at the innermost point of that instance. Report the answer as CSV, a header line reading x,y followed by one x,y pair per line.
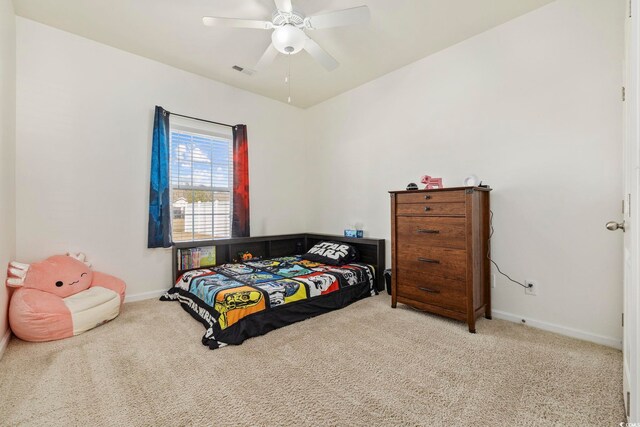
x,y
288,39
289,26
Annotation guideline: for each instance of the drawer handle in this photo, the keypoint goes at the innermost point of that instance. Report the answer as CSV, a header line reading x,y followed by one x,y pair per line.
x,y
427,208
431,291
427,197
423,231
429,260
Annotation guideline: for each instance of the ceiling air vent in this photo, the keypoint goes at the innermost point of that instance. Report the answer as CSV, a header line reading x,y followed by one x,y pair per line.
x,y
243,70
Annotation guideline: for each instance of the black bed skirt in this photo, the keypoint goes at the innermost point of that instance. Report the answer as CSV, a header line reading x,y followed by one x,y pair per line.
x,y
265,321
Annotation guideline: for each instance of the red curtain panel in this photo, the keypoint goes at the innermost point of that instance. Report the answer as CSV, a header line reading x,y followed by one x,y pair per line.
x,y
240,224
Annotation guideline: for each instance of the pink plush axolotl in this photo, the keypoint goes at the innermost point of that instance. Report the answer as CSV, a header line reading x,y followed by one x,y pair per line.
x,y
431,182
60,297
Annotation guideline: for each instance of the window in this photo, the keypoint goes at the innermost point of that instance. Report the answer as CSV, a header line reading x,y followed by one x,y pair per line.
x,y
201,170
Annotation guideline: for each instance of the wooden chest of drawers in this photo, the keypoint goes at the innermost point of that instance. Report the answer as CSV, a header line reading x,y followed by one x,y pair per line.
x,y
439,248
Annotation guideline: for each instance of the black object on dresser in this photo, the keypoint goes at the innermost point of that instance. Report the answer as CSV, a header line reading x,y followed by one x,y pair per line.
x,y
439,248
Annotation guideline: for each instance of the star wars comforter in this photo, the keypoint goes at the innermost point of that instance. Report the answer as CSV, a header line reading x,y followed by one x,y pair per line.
x,y
239,301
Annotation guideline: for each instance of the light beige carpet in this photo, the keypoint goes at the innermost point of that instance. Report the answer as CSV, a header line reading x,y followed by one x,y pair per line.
x,y
361,366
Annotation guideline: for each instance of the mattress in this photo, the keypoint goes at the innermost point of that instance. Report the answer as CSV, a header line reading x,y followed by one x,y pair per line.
x,y
239,301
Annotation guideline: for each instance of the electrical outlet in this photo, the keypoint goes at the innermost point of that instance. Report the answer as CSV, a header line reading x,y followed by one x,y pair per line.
x,y
493,281
532,287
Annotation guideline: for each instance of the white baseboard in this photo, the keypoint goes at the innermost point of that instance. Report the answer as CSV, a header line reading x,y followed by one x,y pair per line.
x,y
558,329
4,342
144,295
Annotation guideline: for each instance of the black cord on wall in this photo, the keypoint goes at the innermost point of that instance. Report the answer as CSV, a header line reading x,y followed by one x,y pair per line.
x,y
489,254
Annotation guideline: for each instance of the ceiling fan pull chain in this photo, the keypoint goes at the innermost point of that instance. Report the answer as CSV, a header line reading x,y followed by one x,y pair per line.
x,y
288,79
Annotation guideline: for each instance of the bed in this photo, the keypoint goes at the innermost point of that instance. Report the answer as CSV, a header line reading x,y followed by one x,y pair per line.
x,y
275,288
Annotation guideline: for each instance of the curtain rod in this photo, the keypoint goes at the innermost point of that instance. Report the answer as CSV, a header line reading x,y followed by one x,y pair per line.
x,y
202,120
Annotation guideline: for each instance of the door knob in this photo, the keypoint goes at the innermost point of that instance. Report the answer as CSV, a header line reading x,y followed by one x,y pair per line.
x,y
613,226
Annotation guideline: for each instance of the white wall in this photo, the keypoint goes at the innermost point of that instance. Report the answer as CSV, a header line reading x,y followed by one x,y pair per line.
x,y
533,108
7,153
85,117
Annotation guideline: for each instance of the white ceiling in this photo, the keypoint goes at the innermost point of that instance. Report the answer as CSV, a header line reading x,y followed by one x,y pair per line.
x,y
171,31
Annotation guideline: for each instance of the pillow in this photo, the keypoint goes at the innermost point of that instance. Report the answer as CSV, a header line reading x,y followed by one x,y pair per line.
x,y
333,253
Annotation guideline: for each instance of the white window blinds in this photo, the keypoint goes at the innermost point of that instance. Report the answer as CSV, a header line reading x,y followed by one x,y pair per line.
x,y
201,168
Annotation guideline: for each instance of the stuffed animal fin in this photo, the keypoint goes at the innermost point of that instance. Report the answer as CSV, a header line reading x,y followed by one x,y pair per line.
x,y
16,274
80,257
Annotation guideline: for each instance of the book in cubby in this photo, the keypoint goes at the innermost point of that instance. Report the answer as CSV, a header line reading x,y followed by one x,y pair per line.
x,y
190,258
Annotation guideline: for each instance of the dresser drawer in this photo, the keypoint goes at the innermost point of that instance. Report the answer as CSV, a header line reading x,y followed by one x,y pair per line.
x,y
430,209
446,232
415,278
441,262
433,292
427,196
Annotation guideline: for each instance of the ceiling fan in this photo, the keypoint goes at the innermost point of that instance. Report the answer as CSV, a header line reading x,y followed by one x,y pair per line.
x,y
288,36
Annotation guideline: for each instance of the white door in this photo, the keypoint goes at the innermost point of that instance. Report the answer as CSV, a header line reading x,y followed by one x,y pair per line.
x,y
631,221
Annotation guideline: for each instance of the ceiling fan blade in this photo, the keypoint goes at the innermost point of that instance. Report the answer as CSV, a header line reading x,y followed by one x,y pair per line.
x,y
284,5
267,58
339,18
320,55
212,21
